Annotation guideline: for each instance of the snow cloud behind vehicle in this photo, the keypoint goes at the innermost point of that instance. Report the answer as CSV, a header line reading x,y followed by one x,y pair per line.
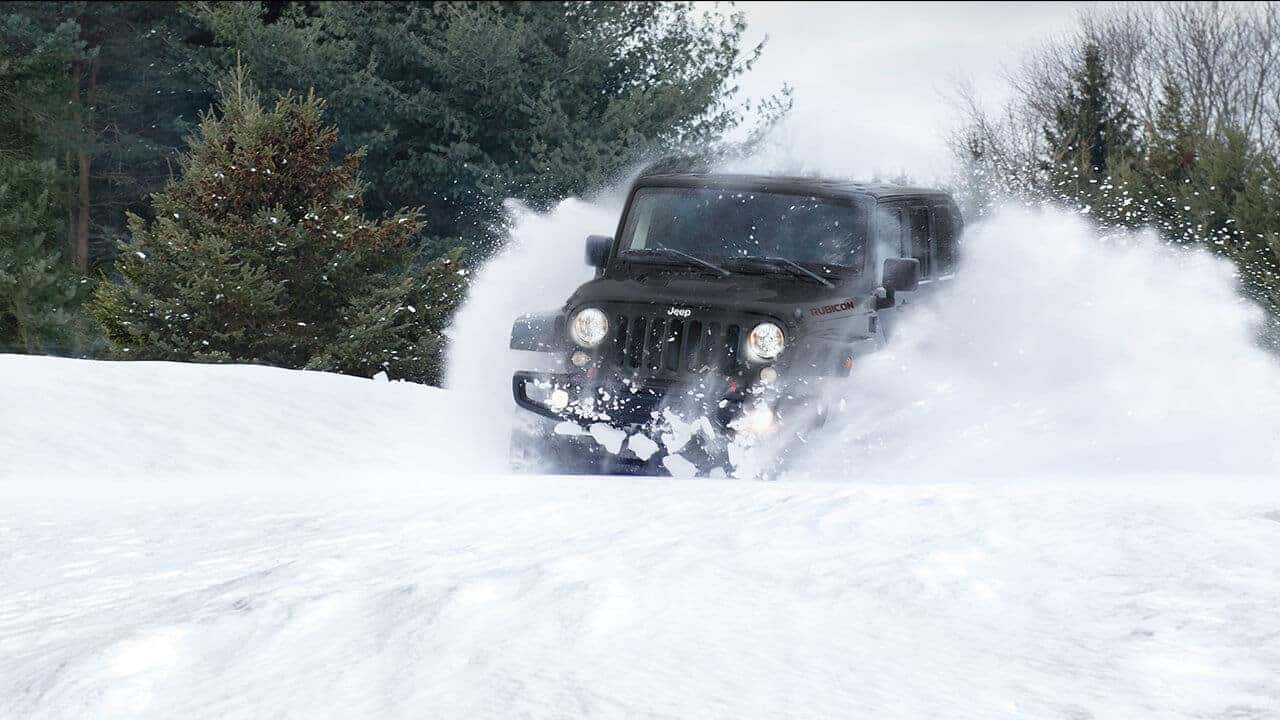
x,y
1061,348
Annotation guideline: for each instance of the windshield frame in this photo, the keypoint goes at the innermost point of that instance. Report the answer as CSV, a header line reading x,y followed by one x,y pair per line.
x,y
863,206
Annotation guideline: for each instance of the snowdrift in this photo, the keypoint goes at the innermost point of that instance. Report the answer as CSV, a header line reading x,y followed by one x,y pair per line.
x,y
242,542
77,425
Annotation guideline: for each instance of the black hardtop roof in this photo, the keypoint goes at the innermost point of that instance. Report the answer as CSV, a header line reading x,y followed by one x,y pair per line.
x,y
791,185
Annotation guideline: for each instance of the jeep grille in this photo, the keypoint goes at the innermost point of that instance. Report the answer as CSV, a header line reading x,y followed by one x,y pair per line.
x,y
660,345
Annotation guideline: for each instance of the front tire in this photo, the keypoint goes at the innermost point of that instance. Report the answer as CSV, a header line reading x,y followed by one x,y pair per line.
x,y
536,448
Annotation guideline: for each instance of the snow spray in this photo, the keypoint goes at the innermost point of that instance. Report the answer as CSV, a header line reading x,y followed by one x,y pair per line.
x,y
1057,347
1061,348
538,268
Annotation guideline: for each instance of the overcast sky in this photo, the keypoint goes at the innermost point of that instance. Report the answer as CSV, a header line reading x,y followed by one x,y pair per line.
x,y
869,78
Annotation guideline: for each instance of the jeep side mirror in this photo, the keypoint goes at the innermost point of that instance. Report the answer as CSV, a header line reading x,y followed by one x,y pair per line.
x,y
598,247
900,274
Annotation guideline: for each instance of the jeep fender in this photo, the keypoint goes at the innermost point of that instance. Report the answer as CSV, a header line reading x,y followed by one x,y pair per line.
x,y
538,333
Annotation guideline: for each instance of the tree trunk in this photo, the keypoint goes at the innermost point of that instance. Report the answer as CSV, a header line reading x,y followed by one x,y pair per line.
x,y
84,164
82,218
70,168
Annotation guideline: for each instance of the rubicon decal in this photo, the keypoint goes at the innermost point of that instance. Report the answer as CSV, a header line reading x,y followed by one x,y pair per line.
x,y
838,307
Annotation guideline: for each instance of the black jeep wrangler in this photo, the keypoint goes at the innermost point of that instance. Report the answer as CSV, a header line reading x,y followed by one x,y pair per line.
x,y
720,312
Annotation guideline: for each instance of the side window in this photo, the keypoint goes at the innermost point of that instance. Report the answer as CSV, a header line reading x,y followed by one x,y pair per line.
x,y
919,225
944,238
891,237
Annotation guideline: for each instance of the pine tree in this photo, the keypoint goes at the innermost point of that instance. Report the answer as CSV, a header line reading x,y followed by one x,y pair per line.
x,y
35,121
1202,171
1171,141
1166,179
463,105
1091,137
1251,235
39,294
260,252
399,327
127,92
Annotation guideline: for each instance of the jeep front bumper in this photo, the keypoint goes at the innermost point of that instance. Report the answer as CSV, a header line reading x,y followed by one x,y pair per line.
x,y
627,403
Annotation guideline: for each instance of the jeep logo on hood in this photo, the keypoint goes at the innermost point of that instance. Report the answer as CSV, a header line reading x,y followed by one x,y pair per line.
x,y
679,311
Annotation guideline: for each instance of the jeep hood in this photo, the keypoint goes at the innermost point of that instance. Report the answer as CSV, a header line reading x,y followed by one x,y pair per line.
x,y
767,294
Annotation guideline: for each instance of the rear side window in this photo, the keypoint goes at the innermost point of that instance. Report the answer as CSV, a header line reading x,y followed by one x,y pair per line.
x,y
891,233
944,239
918,221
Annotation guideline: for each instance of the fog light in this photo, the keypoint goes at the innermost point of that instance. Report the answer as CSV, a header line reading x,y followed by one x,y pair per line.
x,y
759,420
580,359
768,375
558,400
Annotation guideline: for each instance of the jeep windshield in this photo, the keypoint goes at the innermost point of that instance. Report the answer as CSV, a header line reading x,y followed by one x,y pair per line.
x,y
739,229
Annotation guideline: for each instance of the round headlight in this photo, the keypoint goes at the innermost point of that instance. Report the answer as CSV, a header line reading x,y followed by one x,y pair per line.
x,y
558,400
765,342
589,327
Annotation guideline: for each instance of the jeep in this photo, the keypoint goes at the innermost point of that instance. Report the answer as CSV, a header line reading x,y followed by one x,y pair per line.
x,y
720,312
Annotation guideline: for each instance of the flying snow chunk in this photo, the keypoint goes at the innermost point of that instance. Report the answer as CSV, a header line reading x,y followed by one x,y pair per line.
x,y
679,467
610,437
570,429
643,446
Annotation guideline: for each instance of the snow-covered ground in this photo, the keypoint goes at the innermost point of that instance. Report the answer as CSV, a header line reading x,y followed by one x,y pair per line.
x,y
146,427
229,541
1055,495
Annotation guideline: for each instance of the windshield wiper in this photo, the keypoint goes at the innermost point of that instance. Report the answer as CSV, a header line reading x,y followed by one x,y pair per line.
x,y
672,252
788,264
